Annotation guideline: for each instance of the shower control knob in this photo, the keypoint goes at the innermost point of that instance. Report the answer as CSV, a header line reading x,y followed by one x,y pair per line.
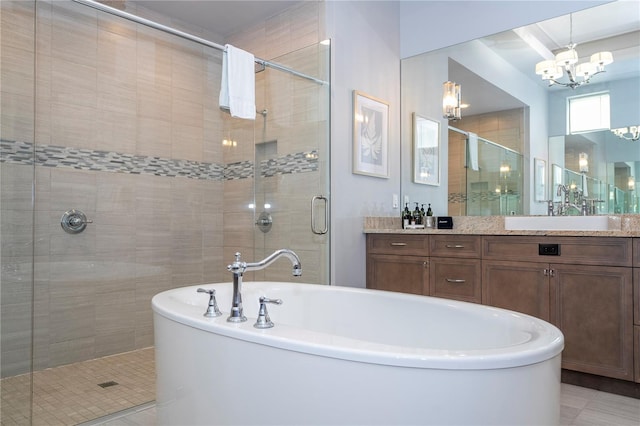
x,y
74,221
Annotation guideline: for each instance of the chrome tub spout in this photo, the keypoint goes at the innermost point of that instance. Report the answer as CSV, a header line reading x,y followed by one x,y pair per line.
x,y
238,268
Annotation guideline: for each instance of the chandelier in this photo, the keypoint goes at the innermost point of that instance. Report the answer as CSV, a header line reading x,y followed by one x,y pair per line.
x,y
567,61
631,133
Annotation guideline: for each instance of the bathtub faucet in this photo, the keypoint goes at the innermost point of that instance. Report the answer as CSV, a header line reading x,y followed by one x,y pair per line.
x,y
238,268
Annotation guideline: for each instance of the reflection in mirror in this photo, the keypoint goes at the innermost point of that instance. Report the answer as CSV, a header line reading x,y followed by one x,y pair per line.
x,y
485,178
611,181
515,113
426,150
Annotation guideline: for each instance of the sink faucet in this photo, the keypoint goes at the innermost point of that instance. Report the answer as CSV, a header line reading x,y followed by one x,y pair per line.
x,y
238,268
566,204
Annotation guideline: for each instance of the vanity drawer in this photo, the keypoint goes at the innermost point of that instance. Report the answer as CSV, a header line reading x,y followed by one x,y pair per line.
x,y
458,279
603,251
416,245
467,246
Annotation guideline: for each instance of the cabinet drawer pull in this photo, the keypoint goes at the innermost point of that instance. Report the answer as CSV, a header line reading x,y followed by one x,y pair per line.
x,y
454,246
398,244
455,281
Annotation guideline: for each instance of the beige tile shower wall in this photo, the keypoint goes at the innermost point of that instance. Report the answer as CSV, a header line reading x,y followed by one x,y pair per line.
x,y
297,120
17,65
108,85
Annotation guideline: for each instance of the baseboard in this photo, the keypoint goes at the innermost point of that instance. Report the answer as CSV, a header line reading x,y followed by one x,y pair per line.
x,y
605,384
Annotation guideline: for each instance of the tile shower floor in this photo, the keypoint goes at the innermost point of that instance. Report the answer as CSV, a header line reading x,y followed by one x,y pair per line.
x,y
81,392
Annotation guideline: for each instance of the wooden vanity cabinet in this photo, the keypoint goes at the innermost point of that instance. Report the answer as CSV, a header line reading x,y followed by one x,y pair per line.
x,y
585,290
446,266
398,262
455,269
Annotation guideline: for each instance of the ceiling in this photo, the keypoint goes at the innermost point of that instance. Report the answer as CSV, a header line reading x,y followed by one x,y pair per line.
x,y
221,17
613,27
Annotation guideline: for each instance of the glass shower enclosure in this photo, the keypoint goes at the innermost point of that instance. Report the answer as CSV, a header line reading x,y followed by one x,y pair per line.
x,y
120,121
494,187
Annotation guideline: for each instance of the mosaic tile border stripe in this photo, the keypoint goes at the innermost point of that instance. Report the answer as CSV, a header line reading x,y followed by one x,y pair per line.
x,y
17,152
474,197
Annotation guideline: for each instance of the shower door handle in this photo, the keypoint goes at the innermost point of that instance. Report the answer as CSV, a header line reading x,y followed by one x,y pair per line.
x,y
314,202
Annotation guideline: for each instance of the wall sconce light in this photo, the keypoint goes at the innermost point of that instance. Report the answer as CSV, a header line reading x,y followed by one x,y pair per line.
x,y
631,183
583,162
631,133
451,101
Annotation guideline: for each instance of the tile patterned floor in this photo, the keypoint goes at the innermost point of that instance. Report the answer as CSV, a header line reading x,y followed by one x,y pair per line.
x,y
586,407
70,394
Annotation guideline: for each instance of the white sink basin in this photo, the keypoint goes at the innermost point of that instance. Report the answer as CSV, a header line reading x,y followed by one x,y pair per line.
x,y
556,223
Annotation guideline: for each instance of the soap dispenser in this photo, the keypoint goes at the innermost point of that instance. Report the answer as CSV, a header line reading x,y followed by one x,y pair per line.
x,y
430,220
417,218
406,216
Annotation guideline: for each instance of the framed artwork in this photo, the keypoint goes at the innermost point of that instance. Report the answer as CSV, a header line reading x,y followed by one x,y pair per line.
x,y
540,178
370,136
426,150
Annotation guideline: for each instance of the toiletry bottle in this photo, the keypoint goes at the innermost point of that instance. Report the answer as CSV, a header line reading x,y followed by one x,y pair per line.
x,y
417,218
429,220
423,215
406,216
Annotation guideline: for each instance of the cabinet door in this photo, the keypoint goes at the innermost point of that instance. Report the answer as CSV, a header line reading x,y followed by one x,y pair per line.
x,y
406,274
592,305
455,279
518,286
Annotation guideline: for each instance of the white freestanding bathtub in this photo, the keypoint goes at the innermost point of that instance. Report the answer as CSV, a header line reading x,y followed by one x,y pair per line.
x,y
344,356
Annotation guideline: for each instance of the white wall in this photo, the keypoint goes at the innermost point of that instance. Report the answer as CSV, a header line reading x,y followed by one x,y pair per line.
x,y
365,48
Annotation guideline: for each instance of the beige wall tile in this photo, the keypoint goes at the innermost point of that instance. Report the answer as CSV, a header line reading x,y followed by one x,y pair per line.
x,y
108,85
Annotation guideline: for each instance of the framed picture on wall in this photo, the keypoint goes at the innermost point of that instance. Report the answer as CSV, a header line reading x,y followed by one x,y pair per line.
x,y
370,136
426,150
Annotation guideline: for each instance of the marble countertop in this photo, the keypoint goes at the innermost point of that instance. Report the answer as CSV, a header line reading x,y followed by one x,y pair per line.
x,y
619,226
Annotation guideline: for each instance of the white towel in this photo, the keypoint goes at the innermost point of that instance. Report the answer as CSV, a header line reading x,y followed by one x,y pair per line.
x,y
473,151
238,85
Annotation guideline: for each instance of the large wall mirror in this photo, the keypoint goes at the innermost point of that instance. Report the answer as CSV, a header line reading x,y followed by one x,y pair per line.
x,y
513,121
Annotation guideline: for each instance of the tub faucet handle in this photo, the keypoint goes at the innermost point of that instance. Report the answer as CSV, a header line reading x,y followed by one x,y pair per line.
x,y
212,308
263,320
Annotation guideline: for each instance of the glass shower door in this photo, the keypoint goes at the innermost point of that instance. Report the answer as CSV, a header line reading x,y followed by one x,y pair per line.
x,y
291,204
17,151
